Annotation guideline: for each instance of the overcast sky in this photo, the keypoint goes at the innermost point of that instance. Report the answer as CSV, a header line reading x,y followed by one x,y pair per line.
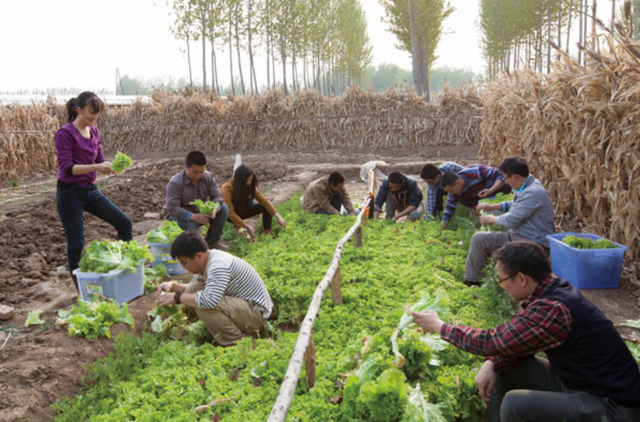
x,y
80,43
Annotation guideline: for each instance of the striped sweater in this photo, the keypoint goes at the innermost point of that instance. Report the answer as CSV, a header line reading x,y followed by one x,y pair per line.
x,y
227,275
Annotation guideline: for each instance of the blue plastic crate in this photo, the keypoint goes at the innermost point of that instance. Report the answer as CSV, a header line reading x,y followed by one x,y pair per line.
x,y
586,268
121,285
162,255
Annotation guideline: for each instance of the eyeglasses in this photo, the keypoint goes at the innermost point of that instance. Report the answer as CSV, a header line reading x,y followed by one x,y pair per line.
x,y
502,280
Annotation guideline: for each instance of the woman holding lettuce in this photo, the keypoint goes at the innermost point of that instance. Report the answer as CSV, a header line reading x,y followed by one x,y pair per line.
x,y
80,158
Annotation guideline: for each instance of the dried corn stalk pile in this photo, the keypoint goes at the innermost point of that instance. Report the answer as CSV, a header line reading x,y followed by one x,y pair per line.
x,y
303,120
26,140
579,128
273,121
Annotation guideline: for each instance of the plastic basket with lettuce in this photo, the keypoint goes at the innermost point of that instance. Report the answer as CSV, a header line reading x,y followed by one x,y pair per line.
x,y
109,255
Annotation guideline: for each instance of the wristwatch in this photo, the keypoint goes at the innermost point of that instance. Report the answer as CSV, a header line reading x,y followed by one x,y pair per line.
x,y
176,297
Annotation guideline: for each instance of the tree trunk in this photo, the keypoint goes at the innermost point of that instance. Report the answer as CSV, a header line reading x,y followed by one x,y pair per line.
x,y
635,20
189,59
251,68
233,85
559,27
569,25
203,35
415,50
284,65
238,51
581,32
214,65
593,24
548,36
613,15
268,35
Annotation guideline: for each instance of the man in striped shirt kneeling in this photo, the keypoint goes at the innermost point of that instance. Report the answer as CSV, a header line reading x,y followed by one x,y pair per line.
x,y
227,293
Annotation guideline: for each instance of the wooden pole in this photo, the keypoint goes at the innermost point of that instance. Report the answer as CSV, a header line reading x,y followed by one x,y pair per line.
x,y
357,239
336,290
310,364
288,387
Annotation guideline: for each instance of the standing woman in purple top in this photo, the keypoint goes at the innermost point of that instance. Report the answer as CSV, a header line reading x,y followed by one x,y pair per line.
x,y
80,157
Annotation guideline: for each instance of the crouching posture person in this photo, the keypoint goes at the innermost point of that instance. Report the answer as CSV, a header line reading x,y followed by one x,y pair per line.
x,y
231,299
589,374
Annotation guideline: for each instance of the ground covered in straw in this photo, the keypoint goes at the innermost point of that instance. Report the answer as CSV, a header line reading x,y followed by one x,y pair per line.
x,y
42,364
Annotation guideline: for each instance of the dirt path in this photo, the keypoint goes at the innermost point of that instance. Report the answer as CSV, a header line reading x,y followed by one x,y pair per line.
x,y
40,365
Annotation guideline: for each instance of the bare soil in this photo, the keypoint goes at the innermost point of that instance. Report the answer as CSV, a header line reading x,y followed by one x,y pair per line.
x,y
39,365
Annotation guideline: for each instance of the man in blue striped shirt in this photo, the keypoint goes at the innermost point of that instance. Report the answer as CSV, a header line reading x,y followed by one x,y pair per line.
x,y
432,174
470,185
232,301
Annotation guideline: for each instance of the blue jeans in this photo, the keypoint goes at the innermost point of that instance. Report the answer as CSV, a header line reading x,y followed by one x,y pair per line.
x,y
336,201
72,201
215,226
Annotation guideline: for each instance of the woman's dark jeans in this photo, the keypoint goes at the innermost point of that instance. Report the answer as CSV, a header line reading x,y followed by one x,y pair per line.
x,y
72,201
254,208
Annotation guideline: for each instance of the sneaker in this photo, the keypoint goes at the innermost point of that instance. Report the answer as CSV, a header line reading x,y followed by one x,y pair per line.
x,y
473,283
219,246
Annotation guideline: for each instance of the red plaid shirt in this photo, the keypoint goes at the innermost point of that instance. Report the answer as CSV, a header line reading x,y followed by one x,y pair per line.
x,y
542,324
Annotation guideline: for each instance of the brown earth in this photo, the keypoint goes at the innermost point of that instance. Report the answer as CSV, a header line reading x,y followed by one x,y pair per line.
x,y
39,365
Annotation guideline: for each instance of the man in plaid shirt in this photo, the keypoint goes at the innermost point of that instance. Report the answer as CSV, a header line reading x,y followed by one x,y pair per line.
x,y
470,185
589,374
432,174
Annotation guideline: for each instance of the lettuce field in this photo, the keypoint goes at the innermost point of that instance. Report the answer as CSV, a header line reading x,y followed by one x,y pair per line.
x,y
160,378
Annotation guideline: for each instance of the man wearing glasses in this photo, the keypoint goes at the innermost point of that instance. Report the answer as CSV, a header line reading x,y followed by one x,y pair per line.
x,y
589,374
528,217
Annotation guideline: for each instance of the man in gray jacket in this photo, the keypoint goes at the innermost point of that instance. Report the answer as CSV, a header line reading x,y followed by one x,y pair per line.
x,y
528,217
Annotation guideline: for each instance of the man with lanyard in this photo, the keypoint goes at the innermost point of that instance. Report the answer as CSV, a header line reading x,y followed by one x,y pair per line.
x,y
589,374
528,217
470,185
432,174
401,194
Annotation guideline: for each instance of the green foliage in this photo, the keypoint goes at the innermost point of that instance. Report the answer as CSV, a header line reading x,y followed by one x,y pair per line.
x,y
166,233
398,265
108,255
33,318
205,208
499,198
417,356
121,162
586,243
94,319
154,276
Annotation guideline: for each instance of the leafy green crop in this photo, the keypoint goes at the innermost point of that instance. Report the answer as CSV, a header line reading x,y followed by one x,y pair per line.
x,y
121,162
499,198
94,319
205,208
166,233
397,265
108,255
33,318
586,243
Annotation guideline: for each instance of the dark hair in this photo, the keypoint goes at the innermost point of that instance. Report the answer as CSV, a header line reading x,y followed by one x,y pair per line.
x,y
524,257
83,100
429,171
396,177
515,165
241,192
336,178
195,158
448,179
188,244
